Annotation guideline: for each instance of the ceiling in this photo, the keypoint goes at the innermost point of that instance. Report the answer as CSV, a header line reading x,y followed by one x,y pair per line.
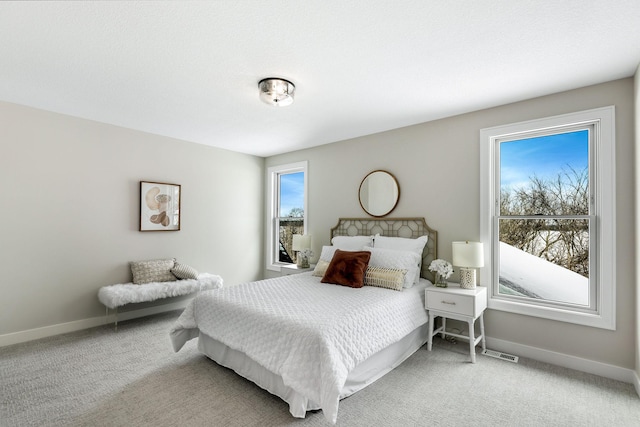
x,y
190,70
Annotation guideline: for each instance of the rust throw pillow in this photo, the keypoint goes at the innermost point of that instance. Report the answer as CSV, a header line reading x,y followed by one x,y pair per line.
x,y
347,268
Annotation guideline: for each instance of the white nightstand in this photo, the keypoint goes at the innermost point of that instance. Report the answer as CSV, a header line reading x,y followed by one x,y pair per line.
x,y
453,302
287,270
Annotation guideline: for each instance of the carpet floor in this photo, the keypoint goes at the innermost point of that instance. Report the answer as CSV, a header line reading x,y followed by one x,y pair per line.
x,y
132,377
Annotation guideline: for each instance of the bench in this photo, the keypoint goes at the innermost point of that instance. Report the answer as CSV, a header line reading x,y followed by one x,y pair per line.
x,y
114,296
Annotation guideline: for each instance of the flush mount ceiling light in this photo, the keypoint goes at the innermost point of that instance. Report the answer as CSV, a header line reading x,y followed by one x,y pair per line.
x,y
276,92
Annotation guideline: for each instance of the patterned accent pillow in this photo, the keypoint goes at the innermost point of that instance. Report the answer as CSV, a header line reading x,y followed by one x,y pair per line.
x,y
156,270
321,268
184,271
347,268
389,278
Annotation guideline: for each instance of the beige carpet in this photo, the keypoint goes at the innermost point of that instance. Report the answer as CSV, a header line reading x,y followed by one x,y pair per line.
x,y
132,378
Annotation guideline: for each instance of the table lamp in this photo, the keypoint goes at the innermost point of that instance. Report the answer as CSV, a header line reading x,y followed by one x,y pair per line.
x,y
468,256
301,242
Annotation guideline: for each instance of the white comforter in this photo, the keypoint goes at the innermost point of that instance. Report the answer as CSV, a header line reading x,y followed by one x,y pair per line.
x,y
310,333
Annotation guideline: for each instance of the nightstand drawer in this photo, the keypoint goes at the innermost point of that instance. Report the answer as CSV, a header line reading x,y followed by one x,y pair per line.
x,y
466,302
460,304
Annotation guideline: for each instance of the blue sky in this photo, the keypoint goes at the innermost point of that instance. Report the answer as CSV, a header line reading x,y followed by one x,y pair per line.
x,y
544,157
291,192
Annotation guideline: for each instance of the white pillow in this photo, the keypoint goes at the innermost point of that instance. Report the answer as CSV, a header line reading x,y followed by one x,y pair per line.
x,y
352,243
327,252
399,260
403,244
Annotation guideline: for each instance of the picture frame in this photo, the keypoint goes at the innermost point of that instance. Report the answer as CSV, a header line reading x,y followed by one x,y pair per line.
x,y
159,206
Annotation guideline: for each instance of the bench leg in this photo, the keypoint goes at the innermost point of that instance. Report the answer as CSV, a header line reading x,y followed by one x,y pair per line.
x,y
107,317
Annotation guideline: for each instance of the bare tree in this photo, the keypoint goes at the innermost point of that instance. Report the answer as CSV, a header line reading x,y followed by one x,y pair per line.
x,y
296,213
563,241
292,224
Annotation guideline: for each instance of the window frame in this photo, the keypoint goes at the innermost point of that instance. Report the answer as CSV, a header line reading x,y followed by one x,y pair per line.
x,y
602,181
273,201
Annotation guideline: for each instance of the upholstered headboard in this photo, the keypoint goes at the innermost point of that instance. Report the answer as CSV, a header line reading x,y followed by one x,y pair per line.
x,y
393,227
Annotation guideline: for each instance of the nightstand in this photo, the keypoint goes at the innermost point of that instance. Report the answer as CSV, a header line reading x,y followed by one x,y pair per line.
x,y
453,302
287,270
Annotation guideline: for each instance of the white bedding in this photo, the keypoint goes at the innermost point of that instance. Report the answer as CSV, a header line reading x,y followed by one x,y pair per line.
x,y
309,333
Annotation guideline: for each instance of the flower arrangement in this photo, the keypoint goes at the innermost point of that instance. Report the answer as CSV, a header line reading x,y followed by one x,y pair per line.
x,y
444,269
306,253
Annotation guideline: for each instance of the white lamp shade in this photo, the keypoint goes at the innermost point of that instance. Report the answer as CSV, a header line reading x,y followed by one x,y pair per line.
x,y
468,254
301,242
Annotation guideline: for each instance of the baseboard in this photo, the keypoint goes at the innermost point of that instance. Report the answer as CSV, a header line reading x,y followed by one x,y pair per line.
x,y
77,325
567,361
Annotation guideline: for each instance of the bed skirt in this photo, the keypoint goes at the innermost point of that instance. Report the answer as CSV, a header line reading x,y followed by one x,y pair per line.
x,y
362,375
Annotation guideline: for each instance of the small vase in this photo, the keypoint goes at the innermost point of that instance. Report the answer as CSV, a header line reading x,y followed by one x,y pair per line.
x,y
303,261
441,282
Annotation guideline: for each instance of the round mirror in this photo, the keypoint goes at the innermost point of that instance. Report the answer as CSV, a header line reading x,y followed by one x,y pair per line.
x,y
379,193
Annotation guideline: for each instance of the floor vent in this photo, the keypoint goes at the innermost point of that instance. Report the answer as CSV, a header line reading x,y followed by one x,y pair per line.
x,y
500,355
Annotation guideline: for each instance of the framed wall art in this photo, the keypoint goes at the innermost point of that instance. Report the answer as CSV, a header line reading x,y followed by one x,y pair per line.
x,y
159,206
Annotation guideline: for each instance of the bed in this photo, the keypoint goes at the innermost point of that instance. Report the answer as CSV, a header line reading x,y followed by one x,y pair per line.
x,y
314,343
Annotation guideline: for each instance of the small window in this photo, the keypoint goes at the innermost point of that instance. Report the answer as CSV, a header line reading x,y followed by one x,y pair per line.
x,y
547,207
287,189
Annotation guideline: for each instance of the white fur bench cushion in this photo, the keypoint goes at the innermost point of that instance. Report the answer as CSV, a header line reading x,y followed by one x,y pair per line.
x,y
118,295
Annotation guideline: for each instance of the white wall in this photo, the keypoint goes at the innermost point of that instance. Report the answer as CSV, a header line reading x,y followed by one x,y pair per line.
x,y
70,204
437,166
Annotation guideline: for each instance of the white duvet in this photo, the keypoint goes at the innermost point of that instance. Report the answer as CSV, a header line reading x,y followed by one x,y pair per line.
x,y
310,333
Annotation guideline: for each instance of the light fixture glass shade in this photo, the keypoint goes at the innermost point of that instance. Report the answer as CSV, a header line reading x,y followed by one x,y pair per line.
x,y
467,254
276,92
301,242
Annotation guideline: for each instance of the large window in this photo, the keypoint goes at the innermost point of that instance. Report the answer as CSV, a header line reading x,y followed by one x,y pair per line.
x,y
287,207
547,208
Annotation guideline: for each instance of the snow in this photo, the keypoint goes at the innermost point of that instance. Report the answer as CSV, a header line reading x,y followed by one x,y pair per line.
x,y
542,278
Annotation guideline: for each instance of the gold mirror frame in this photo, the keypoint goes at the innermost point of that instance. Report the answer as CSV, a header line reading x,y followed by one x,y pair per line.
x,y
379,193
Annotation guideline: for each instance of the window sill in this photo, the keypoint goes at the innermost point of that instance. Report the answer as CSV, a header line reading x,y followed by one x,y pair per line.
x,y
594,320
